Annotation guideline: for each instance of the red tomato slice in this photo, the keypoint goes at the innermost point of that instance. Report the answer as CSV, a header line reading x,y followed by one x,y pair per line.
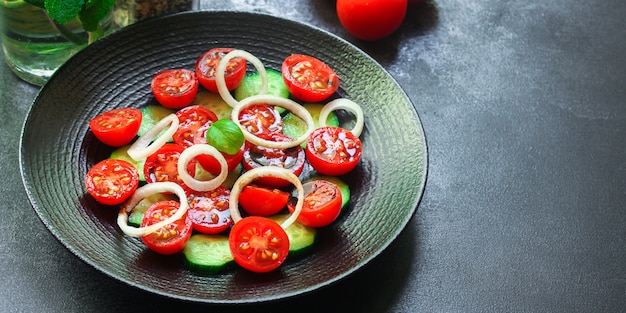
x,y
175,88
171,238
211,165
258,244
207,64
261,118
333,151
322,203
112,181
309,79
193,123
262,201
292,159
163,165
209,211
117,127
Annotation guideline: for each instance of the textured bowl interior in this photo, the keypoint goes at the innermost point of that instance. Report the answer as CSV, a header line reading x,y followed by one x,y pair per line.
x,y
57,149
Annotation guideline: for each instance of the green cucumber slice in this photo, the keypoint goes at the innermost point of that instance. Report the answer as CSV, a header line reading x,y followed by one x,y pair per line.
x,y
203,175
151,115
301,238
251,85
294,127
121,153
213,102
208,254
136,214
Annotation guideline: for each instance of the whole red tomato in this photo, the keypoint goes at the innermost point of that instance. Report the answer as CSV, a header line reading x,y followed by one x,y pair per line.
x,y
371,19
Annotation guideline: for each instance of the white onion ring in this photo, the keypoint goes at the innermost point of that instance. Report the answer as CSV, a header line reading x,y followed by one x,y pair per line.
x,y
220,73
348,105
263,171
147,144
285,103
191,152
142,193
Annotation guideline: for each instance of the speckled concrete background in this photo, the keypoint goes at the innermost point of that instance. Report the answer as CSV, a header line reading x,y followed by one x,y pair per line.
x,y
523,108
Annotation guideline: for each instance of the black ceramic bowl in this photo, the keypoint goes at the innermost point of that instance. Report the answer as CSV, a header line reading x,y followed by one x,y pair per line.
x,y
57,149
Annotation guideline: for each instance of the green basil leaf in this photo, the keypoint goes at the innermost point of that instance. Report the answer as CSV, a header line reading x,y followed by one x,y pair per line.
x,y
225,136
63,11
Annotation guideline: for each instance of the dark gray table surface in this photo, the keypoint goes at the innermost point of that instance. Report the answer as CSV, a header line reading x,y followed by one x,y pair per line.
x,y
524,109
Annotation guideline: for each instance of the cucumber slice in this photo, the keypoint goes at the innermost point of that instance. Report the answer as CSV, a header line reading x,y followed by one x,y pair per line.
x,y
251,85
136,214
202,174
343,187
151,115
232,176
213,102
121,153
208,254
301,238
294,127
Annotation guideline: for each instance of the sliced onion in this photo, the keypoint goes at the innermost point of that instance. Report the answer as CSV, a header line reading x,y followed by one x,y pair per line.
x,y
285,103
220,73
144,192
147,144
188,154
348,105
266,171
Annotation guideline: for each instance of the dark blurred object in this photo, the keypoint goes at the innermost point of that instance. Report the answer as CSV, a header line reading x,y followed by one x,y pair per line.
x,y
130,11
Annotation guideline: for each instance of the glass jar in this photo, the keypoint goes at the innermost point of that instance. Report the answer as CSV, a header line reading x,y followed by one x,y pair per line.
x,y
34,46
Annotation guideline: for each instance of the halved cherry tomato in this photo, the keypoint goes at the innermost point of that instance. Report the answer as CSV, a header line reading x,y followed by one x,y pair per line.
x,y
211,165
112,181
258,244
117,127
171,238
209,211
322,203
163,165
333,150
373,19
262,201
207,64
261,118
193,122
292,159
175,88
308,79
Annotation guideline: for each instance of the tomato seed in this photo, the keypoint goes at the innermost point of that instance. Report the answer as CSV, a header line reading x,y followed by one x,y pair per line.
x,y
316,85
